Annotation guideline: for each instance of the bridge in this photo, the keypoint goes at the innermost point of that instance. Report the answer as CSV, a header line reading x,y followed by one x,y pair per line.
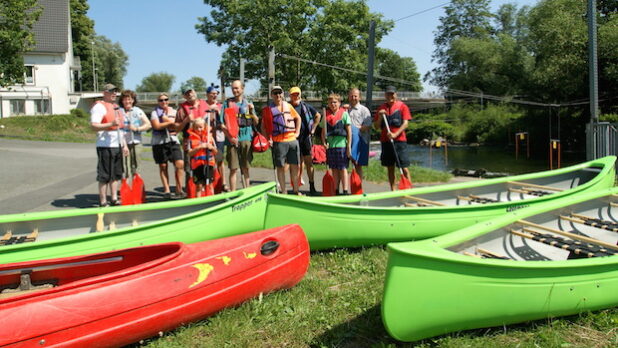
x,y
414,100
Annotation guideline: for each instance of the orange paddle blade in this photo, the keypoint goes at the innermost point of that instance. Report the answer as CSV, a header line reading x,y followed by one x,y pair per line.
x,y
191,190
404,183
126,194
138,191
356,184
217,182
328,184
231,122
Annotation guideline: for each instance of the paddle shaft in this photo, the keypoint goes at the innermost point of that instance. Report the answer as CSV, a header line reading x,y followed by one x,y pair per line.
x,y
392,143
120,138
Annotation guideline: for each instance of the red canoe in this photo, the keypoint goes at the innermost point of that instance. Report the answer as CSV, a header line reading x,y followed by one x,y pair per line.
x,y
120,297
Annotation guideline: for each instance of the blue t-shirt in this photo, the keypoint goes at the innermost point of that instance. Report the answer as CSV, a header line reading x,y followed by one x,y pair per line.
x,y
244,133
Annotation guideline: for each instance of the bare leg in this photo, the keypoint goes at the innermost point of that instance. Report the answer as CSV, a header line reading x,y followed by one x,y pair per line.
x,y
359,170
336,178
222,172
102,193
180,172
391,177
345,180
310,170
281,178
114,188
406,172
233,179
165,180
295,171
245,173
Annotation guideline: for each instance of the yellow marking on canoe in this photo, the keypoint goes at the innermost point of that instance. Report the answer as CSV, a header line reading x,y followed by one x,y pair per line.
x,y
226,259
249,255
204,269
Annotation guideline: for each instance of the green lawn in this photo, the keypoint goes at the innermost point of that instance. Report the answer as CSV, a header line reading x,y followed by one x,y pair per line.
x,y
65,128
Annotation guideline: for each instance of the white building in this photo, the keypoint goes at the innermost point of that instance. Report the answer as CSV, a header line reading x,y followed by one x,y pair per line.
x,y
51,69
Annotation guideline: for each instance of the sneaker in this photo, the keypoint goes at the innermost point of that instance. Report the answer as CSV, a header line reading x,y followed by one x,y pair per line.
x,y
116,202
104,205
179,195
167,195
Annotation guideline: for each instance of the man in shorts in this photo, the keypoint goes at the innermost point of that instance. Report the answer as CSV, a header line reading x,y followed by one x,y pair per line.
x,y
361,128
281,123
394,142
310,119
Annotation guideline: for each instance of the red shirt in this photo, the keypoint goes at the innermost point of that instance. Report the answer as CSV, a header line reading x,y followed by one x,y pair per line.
x,y
390,109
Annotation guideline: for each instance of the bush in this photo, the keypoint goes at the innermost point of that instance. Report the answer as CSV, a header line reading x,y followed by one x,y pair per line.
x,y
79,113
429,130
613,118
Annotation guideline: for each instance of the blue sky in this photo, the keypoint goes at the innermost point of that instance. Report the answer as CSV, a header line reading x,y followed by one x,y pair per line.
x,y
160,35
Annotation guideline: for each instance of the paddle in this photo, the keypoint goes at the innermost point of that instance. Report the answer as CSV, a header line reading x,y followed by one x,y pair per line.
x,y
231,122
208,191
356,183
404,182
138,191
125,191
328,183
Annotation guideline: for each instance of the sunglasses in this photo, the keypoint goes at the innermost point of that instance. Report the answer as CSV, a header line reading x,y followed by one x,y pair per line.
x,y
163,100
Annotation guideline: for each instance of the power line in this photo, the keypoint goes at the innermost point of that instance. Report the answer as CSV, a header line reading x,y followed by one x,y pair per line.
x,y
420,12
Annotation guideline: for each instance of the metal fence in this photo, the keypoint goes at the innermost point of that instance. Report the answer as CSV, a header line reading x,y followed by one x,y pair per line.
x,y
601,139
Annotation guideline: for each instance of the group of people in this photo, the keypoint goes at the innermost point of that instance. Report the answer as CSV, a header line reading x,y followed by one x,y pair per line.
x,y
209,137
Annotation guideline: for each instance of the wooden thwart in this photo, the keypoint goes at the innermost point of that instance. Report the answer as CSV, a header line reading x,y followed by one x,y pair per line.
x,y
9,238
525,184
492,254
423,200
569,235
592,222
555,242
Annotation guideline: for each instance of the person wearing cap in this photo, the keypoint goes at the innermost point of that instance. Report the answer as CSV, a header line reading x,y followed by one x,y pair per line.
x,y
214,107
361,120
106,120
165,144
192,108
310,119
281,124
397,115
239,152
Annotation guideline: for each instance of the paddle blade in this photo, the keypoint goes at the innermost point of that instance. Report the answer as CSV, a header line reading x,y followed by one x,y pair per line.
x,y
126,194
191,191
356,183
231,122
208,190
328,184
404,183
138,189
217,182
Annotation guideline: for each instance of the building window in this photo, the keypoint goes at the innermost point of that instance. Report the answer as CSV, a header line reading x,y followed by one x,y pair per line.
x,y
18,107
29,75
41,107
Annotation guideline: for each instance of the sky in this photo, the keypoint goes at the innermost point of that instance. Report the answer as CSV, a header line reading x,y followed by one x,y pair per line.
x,y
160,35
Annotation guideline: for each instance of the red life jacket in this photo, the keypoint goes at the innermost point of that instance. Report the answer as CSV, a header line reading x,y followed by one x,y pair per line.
x,y
203,156
394,115
111,114
334,123
199,112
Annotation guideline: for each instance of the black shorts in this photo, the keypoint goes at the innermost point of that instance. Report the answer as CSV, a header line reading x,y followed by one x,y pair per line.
x,y
109,164
388,157
199,174
305,145
168,152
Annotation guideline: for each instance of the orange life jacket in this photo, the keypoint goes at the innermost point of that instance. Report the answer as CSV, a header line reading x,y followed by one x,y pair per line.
x,y
203,156
111,114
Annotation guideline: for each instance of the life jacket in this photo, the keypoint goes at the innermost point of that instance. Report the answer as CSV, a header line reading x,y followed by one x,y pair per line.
x,y
111,113
334,123
282,122
160,132
244,120
308,118
395,119
200,112
203,156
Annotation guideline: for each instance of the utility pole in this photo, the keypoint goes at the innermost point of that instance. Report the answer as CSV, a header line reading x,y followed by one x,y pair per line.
x,y
271,70
95,84
222,76
592,137
370,62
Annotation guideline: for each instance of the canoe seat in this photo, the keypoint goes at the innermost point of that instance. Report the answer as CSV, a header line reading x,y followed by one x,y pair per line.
x,y
477,199
530,191
9,239
593,222
577,248
25,286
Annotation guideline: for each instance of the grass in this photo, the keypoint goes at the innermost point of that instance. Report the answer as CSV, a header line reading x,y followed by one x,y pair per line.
x,y
66,128
337,304
373,172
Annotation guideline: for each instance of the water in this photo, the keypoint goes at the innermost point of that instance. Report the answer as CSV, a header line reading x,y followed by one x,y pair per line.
x,y
476,157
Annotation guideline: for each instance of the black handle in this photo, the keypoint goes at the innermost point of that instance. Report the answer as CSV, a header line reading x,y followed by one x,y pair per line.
x,y
269,247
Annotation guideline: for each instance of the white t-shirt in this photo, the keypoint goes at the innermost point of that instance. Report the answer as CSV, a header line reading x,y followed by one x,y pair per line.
x,y
133,117
106,138
361,116
164,136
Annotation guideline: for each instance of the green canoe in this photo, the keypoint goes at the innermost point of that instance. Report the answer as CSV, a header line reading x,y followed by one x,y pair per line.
x,y
353,221
85,231
556,259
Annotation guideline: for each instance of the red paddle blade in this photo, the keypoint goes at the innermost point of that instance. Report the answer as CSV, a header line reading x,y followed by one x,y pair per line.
x,y
138,189
217,182
208,190
231,122
404,183
328,184
191,191
126,194
356,184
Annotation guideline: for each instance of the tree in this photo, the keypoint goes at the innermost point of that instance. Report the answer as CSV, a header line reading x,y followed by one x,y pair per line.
x,y
196,83
463,18
157,82
113,61
331,32
82,29
17,18
390,64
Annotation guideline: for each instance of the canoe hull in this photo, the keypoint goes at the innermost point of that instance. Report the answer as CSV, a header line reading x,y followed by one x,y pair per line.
x,y
135,306
431,291
245,210
355,221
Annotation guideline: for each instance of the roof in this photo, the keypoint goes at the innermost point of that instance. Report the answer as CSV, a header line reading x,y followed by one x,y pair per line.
x,y
51,31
